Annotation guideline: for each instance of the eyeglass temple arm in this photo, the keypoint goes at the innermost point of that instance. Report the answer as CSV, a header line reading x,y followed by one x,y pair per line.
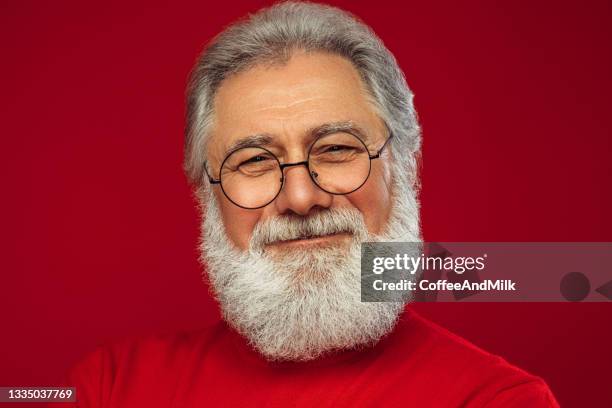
x,y
377,155
210,179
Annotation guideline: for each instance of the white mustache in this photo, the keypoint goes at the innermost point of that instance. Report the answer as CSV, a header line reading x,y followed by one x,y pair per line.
x,y
324,222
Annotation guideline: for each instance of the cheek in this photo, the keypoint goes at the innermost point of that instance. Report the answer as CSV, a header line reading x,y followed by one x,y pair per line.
x,y
239,223
373,199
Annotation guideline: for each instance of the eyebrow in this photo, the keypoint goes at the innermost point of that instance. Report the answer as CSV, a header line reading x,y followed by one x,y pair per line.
x,y
265,140
260,140
335,127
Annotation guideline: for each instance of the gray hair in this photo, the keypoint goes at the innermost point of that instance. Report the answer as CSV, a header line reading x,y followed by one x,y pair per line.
x,y
271,35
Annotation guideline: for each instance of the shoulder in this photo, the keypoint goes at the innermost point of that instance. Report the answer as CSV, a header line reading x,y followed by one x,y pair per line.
x,y
478,377
136,362
153,350
454,353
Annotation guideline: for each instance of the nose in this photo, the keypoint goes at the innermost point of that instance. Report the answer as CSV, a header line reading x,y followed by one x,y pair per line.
x,y
300,195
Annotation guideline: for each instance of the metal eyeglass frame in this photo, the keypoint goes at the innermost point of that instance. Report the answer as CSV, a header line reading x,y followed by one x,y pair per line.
x,y
313,174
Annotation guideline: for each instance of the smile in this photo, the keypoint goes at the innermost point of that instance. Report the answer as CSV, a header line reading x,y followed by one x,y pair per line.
x,y
313,240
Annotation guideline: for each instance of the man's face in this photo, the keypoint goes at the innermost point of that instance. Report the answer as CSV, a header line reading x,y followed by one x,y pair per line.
x,y
286,102
297,298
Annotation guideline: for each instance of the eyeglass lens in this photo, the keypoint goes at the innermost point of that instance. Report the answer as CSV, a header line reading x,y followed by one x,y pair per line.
x,y
252,177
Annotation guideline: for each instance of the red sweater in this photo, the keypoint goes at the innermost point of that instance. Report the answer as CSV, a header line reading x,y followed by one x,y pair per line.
x,y
418,365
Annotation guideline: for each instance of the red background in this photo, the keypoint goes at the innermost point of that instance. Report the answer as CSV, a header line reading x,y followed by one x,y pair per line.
x,y
99,229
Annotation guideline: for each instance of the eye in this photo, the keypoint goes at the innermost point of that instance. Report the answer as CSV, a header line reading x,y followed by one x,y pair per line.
x,y
255,159
336,148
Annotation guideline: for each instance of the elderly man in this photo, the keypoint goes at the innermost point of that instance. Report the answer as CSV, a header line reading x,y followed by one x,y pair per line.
x,y
301,142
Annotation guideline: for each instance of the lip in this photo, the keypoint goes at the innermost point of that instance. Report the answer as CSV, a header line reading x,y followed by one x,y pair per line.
x,y
311,241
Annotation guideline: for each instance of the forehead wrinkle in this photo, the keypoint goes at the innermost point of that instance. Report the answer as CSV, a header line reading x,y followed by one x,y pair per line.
x,y
287,109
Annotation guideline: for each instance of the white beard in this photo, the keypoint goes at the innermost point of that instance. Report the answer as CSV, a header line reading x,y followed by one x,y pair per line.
x,y
301,305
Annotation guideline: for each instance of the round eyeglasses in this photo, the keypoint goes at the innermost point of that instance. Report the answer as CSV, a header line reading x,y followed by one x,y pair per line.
x,y
338,163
